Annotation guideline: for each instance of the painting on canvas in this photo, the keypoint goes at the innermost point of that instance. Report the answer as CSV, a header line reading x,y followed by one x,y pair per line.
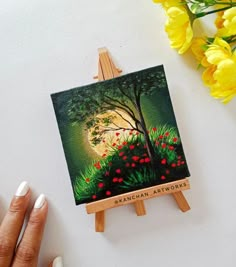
x,y
120,135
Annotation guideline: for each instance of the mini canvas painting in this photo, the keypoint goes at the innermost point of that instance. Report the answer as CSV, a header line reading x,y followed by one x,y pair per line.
x,y
120,135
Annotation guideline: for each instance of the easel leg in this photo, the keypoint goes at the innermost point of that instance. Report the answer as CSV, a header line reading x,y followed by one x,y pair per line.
x,y
181,201
100,221
140,208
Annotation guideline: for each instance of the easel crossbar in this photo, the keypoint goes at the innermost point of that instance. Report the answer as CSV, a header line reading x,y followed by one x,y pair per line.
x,y
142,194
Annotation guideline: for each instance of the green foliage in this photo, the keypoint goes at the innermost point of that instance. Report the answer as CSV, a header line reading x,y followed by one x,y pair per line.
x,y
140,179
200,6
121,94
127,166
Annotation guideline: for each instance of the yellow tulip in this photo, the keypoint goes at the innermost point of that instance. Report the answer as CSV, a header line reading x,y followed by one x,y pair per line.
x,y
208,75
230,20
220,75
219,22
168,3
225,77
179,29
198,47
218,51
226,22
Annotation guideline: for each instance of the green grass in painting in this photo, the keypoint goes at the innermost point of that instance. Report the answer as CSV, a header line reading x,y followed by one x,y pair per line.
x,y
127,166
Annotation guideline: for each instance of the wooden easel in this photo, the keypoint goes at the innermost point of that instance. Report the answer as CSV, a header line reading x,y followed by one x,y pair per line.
x,y
107,70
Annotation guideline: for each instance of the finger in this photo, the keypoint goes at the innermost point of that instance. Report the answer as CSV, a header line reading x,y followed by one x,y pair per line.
x,y
12,223
57,262
28,250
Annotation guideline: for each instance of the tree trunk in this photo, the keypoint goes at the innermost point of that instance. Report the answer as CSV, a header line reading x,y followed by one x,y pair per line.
x,y
150,149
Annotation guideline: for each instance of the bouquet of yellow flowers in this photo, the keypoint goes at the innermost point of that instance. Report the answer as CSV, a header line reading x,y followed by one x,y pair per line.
x,y
217,54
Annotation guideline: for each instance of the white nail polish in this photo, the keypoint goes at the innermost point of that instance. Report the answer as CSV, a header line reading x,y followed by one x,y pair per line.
x,y
22,189
57,262
39,201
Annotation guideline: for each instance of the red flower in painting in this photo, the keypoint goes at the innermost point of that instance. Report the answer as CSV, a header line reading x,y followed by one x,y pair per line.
x,y
163,161
117,134
148,132
114,144
163,145
109,163
121,154
167,134
118,139
179,157
124,143
107,173
120,147
145,154
154,129
104,155
160,137
141,161
108,193
87,180
133,165
130,133
115,179
104,141
135,158
118,170
127,164
171,148
94,197
100,185
167,172
175,139
131,147
147,160
157,143
137,133
163,177
182,162
173,165
145,146
125,158
120,180
97,165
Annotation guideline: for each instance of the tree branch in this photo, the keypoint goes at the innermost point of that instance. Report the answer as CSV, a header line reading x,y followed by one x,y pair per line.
x,y
123,118
122,104
122,108
107,129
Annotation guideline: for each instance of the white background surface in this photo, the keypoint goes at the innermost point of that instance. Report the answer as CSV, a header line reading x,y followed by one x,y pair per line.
x,y
48,46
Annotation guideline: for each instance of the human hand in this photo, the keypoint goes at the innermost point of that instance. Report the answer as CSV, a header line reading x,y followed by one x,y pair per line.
x,y
24,252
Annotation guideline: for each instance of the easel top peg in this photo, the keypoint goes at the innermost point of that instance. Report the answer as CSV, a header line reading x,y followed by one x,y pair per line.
x,y
106,67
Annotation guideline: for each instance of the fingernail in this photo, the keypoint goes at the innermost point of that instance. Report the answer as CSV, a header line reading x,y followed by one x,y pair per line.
x,y
57,262
22,189
39,201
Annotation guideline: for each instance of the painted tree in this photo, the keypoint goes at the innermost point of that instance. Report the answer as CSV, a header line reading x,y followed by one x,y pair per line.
x,y
123,95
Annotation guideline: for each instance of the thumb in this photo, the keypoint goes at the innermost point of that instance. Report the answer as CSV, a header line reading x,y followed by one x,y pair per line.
x,y
57,262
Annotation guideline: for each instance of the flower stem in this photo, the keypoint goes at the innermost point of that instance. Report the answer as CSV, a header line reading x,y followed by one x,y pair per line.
x,y
224,3
202,14
230,39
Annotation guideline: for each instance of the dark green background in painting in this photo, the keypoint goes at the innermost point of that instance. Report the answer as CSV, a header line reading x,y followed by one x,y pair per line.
x,y
157,110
